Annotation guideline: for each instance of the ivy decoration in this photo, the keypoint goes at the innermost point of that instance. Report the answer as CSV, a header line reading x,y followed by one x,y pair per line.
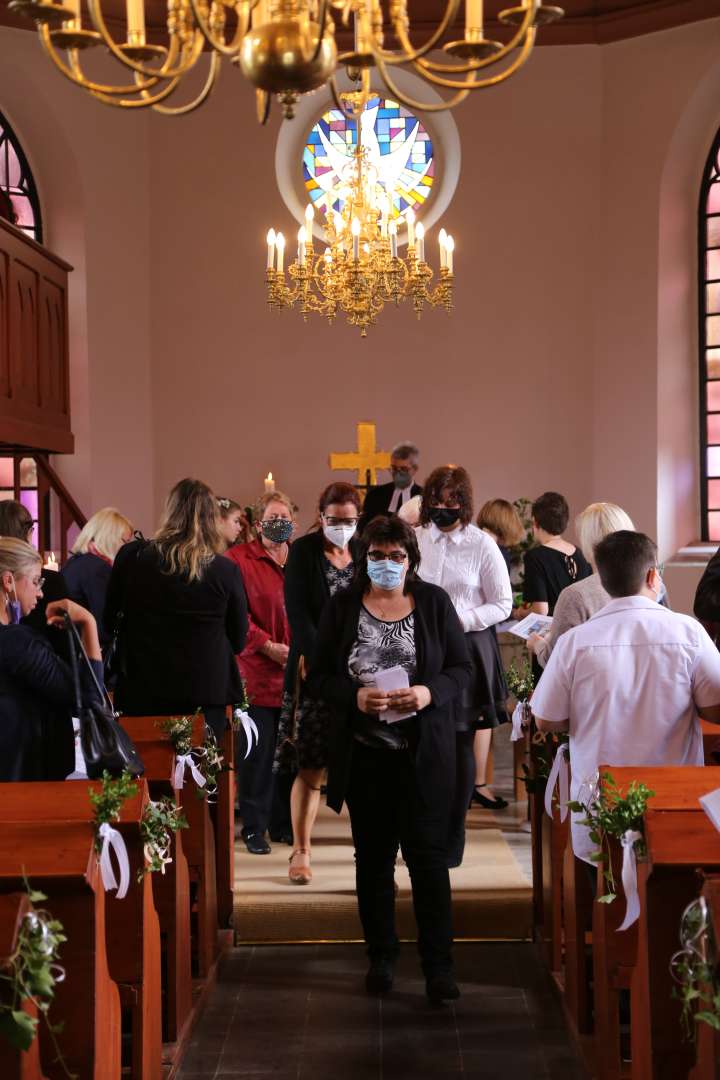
x,y
160,819
545,746
108,802
520,680
240,706
211,763
609,813
31,974
179,731
694,969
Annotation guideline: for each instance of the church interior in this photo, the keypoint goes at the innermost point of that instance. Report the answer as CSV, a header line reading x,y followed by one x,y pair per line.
x,y
284,247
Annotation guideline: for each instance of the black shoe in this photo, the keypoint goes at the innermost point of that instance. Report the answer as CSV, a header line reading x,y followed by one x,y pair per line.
x,y
441,988
380,975
282,836
256,843
487,804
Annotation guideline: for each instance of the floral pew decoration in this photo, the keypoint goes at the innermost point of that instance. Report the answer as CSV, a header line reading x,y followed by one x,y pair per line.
x,y
608,814
204,762
696,969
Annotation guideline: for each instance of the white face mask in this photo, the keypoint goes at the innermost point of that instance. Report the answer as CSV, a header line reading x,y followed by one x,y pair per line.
x,y
339,535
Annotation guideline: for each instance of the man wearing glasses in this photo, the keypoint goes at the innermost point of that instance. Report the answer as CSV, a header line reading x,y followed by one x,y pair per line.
x,y
389,498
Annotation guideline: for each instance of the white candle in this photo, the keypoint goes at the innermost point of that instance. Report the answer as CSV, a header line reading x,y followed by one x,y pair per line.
x,y
410,219
52,563
355,229
442,240
271,248
135,17
302,235
280,245
392,229
269,483
473,16
309,215
449,248
420,234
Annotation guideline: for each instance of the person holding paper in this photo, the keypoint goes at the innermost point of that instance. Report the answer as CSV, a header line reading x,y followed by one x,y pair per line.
x,y
630,683
390,656
469,565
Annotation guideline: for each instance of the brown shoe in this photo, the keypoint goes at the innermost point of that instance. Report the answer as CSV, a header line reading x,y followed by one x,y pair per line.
x,y
300,872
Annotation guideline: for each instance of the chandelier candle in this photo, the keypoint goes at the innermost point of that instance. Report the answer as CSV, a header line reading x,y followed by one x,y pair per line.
x,y
271,249
280,246
420,234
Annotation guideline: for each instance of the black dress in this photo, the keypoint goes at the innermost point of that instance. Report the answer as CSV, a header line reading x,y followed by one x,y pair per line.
x,y
36,703
87,578
548,572
178,638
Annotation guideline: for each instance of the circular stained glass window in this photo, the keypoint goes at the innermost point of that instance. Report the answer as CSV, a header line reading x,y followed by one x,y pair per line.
x,y
398,146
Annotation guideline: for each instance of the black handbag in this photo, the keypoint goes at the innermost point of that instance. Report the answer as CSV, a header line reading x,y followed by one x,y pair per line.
x,y
105,744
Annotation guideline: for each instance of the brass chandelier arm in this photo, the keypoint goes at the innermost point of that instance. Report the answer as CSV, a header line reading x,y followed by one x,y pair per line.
x,y
322,23
242,10
427,106
176,49
412,53
75,75
474,83
211,80
143,102
474,65
352,113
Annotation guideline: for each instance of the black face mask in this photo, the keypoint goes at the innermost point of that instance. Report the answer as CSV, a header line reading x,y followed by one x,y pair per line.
x,y
277,531
443,517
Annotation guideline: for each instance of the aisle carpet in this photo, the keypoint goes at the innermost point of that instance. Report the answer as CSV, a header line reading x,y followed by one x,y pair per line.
x,y
491,895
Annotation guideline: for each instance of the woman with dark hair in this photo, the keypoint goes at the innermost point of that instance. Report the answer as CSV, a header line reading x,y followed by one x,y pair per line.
x,y
392,756
468,564
555,563
16,521
319,565
181,614
234,526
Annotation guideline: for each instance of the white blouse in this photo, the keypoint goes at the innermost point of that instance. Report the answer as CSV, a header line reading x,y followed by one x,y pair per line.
x,y
469,566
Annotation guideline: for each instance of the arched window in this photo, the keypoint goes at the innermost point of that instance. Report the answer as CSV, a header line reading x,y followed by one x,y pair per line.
x,y
17,182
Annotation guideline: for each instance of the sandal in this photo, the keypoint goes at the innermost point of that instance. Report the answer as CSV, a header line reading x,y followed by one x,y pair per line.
x,y
300,875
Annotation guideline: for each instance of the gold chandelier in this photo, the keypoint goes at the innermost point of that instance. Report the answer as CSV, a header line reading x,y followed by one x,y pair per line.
x,y
360,270
284,47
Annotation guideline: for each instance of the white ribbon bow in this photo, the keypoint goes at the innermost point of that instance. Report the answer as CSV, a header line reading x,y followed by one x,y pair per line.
x,y
629,878
182,761
112,839
559,772
518,718
249,727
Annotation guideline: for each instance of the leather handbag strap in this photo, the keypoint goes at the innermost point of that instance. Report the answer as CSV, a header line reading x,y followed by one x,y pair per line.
x,y
75,646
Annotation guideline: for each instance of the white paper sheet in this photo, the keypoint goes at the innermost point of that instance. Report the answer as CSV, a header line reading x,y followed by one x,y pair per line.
x,y
394,678
711,805
531,624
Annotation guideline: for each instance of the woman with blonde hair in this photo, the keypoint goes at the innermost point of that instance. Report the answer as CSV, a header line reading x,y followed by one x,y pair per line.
x,y
499,519
36,685
87,571
180,612
579,601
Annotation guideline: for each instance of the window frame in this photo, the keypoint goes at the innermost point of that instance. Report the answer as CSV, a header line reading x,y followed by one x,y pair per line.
x,y
26,177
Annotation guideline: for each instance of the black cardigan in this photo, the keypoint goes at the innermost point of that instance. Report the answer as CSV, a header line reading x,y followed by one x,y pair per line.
x,y
443,665
36,705
87,578
177,638
306,594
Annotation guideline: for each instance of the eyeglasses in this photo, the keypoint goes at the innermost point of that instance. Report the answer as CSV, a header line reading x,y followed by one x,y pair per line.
x,y
340,521
393,556
37,583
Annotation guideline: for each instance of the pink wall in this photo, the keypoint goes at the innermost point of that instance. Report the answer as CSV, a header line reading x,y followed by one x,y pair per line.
x,y
574,320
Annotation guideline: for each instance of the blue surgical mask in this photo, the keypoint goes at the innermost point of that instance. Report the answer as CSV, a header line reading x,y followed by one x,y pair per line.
x,y
386,574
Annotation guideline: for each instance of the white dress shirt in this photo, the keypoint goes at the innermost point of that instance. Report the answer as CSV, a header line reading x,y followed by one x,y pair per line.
x,y
469,566
630,682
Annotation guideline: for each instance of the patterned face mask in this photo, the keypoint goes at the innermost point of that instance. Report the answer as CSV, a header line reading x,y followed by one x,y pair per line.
x,y
277,530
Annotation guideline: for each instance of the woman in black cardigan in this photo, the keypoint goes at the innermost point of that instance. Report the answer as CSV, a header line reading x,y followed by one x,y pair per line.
x,y
180,611
319,566
396,775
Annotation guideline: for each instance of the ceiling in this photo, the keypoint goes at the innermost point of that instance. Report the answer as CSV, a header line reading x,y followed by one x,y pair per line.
x,y
585,21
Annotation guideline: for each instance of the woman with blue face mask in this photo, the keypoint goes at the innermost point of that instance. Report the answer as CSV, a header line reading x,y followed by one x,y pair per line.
x,y
391,659
319,565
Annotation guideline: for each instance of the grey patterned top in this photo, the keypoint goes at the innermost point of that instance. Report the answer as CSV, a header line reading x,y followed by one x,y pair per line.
x,y
380,645
338,579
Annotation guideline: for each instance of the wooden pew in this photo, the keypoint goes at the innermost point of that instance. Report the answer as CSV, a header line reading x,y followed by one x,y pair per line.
x,y
577,907
16,1064
224,824
707,1064
133,930
172,889
549,838
59,859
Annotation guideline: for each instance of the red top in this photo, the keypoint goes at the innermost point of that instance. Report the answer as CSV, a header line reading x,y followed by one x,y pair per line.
x,y
264,584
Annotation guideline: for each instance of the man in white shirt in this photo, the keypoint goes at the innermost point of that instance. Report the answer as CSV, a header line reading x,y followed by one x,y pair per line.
x,y
631,682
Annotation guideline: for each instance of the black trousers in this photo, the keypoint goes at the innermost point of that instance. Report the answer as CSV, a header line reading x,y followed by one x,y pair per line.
x,y
387,812
264,799
464,786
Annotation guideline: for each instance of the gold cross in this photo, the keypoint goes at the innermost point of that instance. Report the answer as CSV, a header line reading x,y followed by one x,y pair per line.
x,y
366,459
